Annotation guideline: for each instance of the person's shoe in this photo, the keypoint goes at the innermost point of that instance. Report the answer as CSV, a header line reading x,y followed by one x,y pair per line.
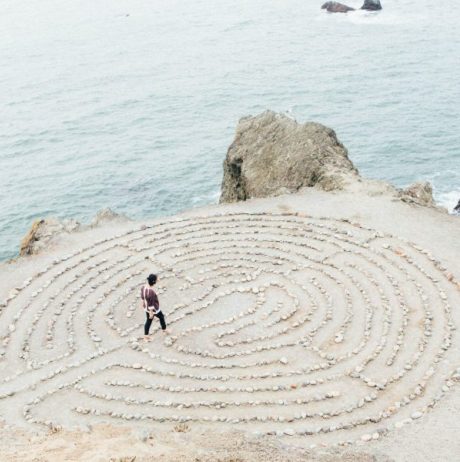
x,y
147,338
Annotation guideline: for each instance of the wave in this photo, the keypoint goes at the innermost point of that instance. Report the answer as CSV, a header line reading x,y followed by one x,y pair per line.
x,y
211,197
449,199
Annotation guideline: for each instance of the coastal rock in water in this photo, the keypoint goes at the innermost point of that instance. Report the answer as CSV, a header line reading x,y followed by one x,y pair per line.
x,y
336,7
457,208
371,5
420,193
273,154
42,232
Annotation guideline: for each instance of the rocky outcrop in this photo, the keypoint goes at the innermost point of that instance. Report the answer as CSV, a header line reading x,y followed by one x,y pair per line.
x,y
420,193
273,154
371,5
43,231
336,7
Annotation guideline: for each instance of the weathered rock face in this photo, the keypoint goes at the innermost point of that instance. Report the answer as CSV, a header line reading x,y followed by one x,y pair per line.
x,y
371,5
336,7
420,193
273,154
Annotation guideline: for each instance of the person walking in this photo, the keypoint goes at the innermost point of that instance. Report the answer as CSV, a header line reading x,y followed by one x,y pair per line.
x,y
151,306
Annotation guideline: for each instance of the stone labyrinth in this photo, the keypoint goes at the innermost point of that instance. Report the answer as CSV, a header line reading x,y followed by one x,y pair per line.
x,y
316,329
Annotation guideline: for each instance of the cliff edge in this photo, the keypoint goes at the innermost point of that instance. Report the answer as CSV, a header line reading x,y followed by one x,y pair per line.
x,y
43,232
271,155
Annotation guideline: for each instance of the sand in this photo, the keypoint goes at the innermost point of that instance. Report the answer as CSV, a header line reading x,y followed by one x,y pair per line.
x,y
322,321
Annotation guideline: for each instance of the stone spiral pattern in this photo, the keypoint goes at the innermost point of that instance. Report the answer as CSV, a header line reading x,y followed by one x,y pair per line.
x,y
312,328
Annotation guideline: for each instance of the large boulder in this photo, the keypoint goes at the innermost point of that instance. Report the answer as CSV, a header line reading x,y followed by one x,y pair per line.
x,y
272,154
371,5
336,7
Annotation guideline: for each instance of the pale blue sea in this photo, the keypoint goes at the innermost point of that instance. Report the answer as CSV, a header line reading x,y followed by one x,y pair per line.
x,y
131,104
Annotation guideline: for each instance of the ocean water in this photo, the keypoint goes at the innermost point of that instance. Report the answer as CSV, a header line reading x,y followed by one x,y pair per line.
x,y
131,104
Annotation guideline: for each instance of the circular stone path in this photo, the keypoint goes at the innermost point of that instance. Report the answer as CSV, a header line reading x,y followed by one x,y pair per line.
x,y
316,329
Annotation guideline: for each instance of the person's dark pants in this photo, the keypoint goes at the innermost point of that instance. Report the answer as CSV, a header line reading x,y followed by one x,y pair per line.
x,y
148,322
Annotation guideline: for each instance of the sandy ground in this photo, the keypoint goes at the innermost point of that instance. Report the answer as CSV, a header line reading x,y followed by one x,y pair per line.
x,y
108,443
288,328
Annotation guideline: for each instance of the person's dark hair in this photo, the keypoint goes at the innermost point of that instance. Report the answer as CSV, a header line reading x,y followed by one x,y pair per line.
x,y
152,279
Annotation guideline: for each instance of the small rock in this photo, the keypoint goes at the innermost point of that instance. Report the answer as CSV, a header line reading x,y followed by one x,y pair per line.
x,y
336,7
144,436
371,5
